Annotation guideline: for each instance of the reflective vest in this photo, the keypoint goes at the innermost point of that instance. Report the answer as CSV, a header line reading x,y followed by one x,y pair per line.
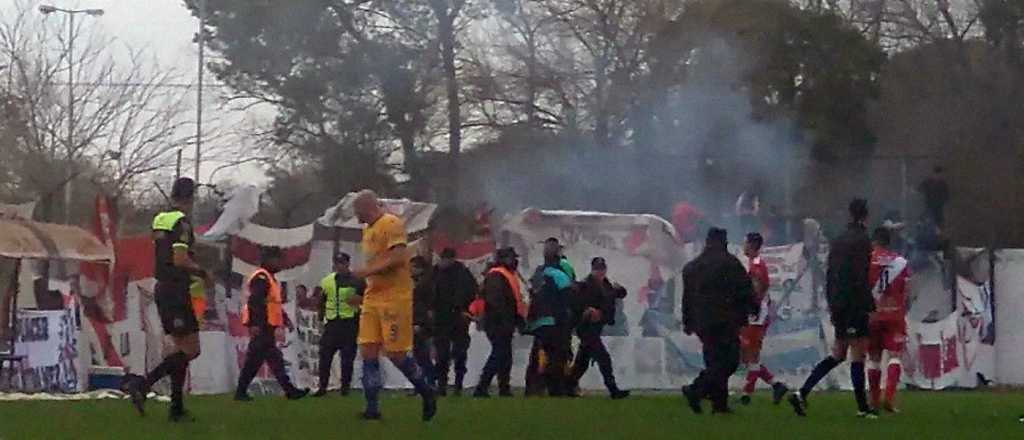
x,y
336,299
165,221
275,315
197,287
521,307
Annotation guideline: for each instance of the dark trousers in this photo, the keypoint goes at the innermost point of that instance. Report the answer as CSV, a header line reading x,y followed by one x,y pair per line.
x,y
555,342
339,337
263,348
592,349
499,363
721,359
452,345
421,352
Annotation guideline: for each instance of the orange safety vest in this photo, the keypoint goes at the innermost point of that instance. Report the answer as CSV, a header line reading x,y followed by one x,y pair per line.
x,y
275,315
521,308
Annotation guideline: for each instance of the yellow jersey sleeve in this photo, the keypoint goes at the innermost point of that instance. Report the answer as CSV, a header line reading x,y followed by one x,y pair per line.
x,y
393,232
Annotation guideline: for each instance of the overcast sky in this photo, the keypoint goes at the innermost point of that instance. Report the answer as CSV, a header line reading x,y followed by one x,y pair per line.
x,y
164,28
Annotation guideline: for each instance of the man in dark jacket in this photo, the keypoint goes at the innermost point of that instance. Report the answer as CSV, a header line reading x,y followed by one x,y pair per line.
x,y
503,314
850,303
593,307
422,315
455,287
263,313
717,298
549,323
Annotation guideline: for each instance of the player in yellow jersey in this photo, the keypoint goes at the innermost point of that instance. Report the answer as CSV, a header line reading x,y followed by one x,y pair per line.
x,y
386,321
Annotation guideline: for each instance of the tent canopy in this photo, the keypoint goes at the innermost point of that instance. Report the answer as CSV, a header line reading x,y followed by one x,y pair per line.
x,y
46,241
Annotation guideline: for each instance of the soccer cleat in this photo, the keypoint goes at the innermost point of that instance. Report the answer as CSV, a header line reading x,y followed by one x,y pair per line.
x,y
871,414
320,393
619,394
745,399
481,394
890,408
779,391
692,399
505,392
799,404
180,416
345,390
369,415
132,385
243,398
429,407
297,394
442,390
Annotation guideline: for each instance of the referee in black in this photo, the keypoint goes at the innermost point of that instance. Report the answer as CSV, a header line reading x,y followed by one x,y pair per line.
x,y
850,303
173,240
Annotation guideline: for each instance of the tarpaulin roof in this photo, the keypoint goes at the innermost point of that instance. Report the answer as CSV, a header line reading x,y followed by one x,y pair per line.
x,y
27,239
415,215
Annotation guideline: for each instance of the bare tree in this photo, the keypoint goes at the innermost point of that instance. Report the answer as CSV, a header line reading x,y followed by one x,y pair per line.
x,y
128,121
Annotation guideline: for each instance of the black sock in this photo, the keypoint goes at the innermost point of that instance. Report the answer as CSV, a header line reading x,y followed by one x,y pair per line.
x,y
178,387
168,366
820,371
857,377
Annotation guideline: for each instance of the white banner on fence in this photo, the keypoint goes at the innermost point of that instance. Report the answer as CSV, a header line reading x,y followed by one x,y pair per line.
x,y
49,341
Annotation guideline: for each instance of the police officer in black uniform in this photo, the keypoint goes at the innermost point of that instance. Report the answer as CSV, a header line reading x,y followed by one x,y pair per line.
x,y
175,267
455,288
341,293
717,298
593,307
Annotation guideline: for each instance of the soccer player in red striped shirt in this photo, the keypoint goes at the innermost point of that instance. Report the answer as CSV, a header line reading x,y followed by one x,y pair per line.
x,y
889,277
752,336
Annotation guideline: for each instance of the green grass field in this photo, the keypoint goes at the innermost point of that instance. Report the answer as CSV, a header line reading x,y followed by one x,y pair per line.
x,y
946,415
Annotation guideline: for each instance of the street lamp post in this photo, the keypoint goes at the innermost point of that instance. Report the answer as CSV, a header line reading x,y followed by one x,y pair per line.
x,y
47,10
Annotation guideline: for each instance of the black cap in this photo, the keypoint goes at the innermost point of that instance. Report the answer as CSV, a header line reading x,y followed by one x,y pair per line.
x,y
448,253
342,257
184,188
508,252
598,263
718,235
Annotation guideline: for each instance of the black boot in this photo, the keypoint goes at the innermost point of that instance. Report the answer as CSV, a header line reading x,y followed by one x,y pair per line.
x,y
457,388
481,393
505,391
180,415
243,397
296,394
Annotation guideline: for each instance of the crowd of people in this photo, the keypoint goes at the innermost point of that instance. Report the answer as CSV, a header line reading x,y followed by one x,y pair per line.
x,y
418,315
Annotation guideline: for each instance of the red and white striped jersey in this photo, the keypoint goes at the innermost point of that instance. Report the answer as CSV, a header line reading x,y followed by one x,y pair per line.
x,y
889,277
758,271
